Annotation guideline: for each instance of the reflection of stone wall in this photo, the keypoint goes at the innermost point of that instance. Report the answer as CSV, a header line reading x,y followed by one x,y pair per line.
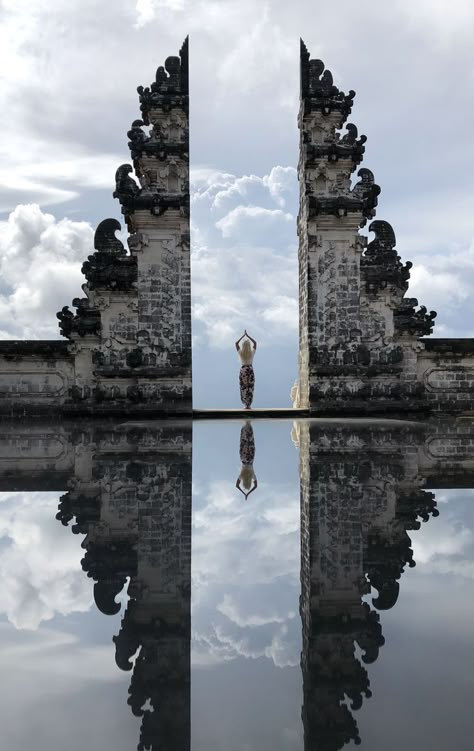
x,y
133,503
361,495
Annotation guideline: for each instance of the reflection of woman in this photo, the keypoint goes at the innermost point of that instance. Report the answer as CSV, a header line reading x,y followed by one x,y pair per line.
x,y
246,478
246,350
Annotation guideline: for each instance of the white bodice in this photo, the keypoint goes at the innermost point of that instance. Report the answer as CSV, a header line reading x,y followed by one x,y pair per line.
x,y
246,360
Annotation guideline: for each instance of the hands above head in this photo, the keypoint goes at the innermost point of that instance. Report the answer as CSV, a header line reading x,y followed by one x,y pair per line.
x,y
251,339
240,338
245,334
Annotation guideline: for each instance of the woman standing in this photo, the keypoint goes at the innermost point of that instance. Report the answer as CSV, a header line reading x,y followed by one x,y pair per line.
x,y
246,350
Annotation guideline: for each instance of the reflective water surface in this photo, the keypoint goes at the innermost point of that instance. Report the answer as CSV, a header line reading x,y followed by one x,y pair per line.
x,y
242,585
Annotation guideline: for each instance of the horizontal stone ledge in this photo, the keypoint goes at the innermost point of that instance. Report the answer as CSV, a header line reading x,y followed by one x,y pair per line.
x,y
445,346
169,372
403,408
362,371
35,347
48,480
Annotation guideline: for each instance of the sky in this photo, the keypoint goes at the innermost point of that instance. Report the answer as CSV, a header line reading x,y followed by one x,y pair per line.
x,y
68,93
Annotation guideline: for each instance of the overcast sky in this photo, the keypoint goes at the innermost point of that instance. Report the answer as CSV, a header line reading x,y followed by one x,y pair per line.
x,y
68,95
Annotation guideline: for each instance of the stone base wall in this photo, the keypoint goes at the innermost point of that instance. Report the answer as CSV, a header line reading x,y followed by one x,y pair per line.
x,y
48,377
35,377
131,396
446,372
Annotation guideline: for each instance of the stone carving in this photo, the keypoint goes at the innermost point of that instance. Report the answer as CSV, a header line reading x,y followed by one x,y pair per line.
x,y
416,322
381,264
350,137
105,240
368,192
333,147
86,321
137,242
171,85
318,89
353,315
109,267
125,186
138,138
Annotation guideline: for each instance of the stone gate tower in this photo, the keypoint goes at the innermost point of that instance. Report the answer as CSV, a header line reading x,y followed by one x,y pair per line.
x,y
128,345
359,335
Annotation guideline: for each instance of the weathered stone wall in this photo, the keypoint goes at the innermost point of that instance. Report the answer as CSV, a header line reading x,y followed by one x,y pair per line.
x,y
358,332
329,245
129,348
445,368
35,377
157,215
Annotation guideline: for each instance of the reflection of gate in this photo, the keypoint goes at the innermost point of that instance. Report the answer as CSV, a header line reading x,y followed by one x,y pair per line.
x,y
362,494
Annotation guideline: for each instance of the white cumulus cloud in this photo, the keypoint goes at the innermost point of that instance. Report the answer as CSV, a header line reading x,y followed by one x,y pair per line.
x,y
40,262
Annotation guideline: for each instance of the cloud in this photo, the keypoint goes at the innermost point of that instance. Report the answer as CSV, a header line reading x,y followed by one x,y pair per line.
x,y
40,261
435,16
445,282
242,218
260,69
237,275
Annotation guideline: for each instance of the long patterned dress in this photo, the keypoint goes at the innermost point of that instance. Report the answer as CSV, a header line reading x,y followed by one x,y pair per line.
x,y
247,384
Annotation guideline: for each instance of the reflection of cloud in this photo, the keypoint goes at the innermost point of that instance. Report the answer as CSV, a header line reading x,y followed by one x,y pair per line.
x,y
54,681
246,576
40,571
233,611
446,544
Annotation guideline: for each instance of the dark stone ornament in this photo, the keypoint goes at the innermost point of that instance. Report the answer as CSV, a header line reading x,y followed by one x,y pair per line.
x,y
368,191
86,321
110,267
318,91
127,642
105,240
386,558
66,318
350,137
134,358
109,563
84,509
415,322
170,87
125,186
381,265
138,138
335,205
